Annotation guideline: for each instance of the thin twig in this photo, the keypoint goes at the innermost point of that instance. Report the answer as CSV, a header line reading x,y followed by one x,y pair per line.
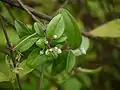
x,y
11,52
7,21
27,10
9,11
41,78
14,3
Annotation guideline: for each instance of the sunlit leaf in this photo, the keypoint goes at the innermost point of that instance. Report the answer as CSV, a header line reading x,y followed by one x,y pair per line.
x,y
110,29
55,27
26,43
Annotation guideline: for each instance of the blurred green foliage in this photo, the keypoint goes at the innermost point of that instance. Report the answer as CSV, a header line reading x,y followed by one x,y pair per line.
x,y
101,58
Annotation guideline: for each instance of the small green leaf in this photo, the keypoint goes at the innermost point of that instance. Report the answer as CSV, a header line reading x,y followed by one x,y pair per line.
x,y
38,29
41,42
21,29
70,61
61,39
3,77
55,27
72,30
26,43
35,59
85,44
110,29
85,79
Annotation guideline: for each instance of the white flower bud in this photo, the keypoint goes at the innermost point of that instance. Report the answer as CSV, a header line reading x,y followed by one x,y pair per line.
x,y
41,52
59,51
50,49
46,42
82,50
55,48
54,36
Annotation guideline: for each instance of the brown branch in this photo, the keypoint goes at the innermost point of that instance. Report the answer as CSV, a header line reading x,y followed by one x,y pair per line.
x,y
14,3
11,52
27,10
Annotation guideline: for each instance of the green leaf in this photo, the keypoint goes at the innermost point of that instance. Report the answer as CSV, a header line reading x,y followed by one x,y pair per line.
x,y
21,29
26,43
59,64
35,59
85,79
3,77
55,27
26,69
70,61
61,39
110,29
72,30
85,44
65,61
38,29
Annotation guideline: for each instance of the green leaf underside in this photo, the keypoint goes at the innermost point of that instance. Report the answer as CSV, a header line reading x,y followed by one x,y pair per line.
x,y
55,27
65,61
70,61
110,29
72,30
22,29
38,29
85,44
26,43
35,59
